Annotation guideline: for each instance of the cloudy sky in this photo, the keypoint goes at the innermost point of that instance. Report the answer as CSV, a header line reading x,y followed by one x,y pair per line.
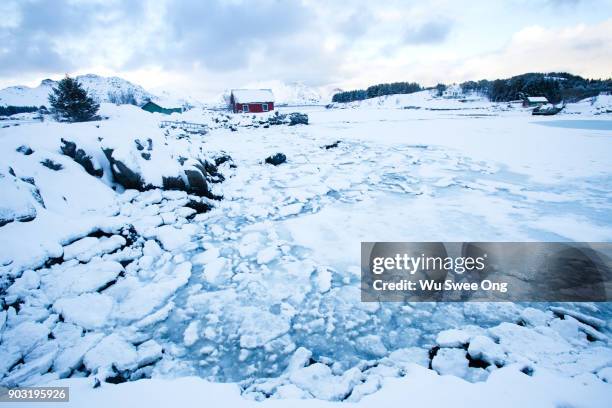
x,y
204,46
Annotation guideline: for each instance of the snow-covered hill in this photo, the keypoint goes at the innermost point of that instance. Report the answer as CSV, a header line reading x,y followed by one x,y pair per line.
x,y
296,93
427,99
99,87
285,94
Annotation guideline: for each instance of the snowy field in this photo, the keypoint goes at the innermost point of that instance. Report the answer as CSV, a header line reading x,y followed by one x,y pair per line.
x,y
262,292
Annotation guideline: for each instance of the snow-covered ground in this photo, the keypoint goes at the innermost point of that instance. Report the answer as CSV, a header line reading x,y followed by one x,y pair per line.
x,y
262,291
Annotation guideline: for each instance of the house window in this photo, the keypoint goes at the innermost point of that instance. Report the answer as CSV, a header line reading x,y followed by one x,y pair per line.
x,y
245,108
264,107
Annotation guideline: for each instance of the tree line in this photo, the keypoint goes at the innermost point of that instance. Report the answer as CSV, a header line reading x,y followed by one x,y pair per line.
x,y
555,86
377,90
12,110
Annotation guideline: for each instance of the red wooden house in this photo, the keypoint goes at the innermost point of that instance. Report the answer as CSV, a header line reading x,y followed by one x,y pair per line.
x,y
251,100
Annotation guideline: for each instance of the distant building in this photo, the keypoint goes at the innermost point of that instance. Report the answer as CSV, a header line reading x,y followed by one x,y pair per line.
x,y
251,100
532,101
155,108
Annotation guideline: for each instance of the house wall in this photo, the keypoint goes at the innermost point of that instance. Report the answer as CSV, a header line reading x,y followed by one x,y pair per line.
x,y
253,107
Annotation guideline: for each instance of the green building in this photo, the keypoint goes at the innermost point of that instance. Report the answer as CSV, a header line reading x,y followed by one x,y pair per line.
x,y
155,108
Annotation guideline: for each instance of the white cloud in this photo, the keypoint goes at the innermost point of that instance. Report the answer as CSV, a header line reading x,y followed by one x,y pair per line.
x,y
580,49
208,46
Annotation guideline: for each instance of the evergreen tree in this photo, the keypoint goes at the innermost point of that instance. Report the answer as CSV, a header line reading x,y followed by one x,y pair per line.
x,y
70,102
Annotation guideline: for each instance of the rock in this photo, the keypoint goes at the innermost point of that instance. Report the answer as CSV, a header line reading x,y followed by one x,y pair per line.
x,y
173,183
25,150
222,159
16,202
50,164
78,155
297,118
278,158
197,183
122,174
292,119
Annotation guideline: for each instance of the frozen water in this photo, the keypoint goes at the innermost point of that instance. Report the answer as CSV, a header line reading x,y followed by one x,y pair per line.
x,y
264,288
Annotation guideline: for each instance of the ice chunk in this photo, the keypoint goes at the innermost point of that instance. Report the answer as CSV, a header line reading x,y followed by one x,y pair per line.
x,y
191,335
535,317
148,352
173,238
590,320
86,248
113,350
19,341
213,269
74,280
323,279
450,361
319,381
291,209
299,359
485,349
144,299
209,255
290,391
266,255
89,310
25,371
259,327
22,286
406,356
72,356
151,248
371,344
452,338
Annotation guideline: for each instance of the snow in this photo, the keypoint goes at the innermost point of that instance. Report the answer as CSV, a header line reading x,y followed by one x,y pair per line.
x,y
89,310
252,95
452,338
507,387
266,255
450,362
259,297
191,335
113,350
537,99
86,248
79,278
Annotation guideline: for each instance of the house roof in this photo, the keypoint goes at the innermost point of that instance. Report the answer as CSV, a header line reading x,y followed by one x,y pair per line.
x,y
252,95
537,99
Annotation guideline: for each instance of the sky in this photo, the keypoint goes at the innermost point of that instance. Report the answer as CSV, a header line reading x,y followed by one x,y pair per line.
x,y
200,48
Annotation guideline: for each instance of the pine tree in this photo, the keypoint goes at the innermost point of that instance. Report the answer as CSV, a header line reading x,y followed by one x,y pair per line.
x,y
70,102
